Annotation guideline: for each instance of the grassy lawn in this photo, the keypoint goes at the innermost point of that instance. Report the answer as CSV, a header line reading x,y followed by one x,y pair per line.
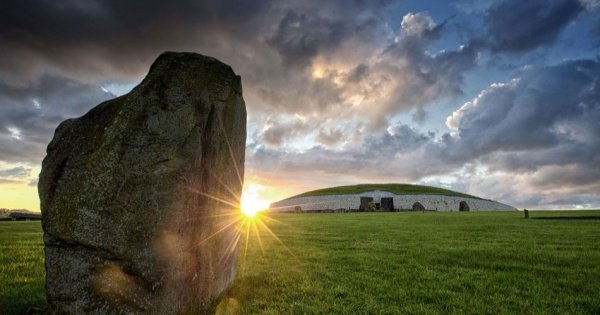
x,y
21,266
398,189
382,263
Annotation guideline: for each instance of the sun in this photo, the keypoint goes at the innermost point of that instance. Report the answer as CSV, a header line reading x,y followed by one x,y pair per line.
x,y
251,203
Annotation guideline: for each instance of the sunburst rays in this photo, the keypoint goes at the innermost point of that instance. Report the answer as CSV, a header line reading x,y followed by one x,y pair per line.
x,y
238,225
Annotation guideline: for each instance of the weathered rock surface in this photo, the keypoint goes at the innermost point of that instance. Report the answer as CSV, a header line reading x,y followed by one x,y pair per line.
x,y
131,194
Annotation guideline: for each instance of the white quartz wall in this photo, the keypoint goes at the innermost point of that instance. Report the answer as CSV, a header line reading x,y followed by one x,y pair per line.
x,y
401,202
449,203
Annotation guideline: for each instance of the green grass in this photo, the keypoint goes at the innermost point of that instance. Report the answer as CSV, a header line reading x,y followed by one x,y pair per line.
x,y
21,266
383,263
398,189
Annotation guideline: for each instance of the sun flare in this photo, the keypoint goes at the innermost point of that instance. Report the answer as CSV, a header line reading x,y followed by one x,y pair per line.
x,y
251,203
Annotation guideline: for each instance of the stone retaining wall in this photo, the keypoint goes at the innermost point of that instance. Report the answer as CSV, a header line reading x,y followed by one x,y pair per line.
x,y
401,202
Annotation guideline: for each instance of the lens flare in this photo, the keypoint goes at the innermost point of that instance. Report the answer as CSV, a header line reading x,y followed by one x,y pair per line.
x,y
251,203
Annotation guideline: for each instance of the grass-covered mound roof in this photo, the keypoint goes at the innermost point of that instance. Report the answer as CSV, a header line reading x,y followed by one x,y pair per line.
x,y
398,189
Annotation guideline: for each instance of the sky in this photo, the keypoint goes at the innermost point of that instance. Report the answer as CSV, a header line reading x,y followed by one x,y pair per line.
x,y
500,99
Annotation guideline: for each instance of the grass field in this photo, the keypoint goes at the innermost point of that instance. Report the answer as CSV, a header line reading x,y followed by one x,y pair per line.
x,y
383,263
21,266
398,189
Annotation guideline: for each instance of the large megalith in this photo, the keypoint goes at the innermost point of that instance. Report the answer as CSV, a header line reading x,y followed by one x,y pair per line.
x,y
139,195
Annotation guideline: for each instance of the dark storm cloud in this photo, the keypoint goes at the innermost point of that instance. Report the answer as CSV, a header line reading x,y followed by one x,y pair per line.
x,y
304,33
30,113
86,38
275,46
272,45
542,108
300,37
518,26
54,55
119,39
358,73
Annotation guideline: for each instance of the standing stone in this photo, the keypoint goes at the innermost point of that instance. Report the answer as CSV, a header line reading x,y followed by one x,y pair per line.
x,y
138,195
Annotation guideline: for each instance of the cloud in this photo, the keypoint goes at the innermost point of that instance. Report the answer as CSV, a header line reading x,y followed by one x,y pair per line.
x,y
14,175
337,79
330,137
416,76
518,26
326,84
15,172
323,61
397,139
590,5
112,38
276,134
30,113
300,37
537,131
358,73
540,109
115,40
543,125
418,25
277,47
384,156
402,75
